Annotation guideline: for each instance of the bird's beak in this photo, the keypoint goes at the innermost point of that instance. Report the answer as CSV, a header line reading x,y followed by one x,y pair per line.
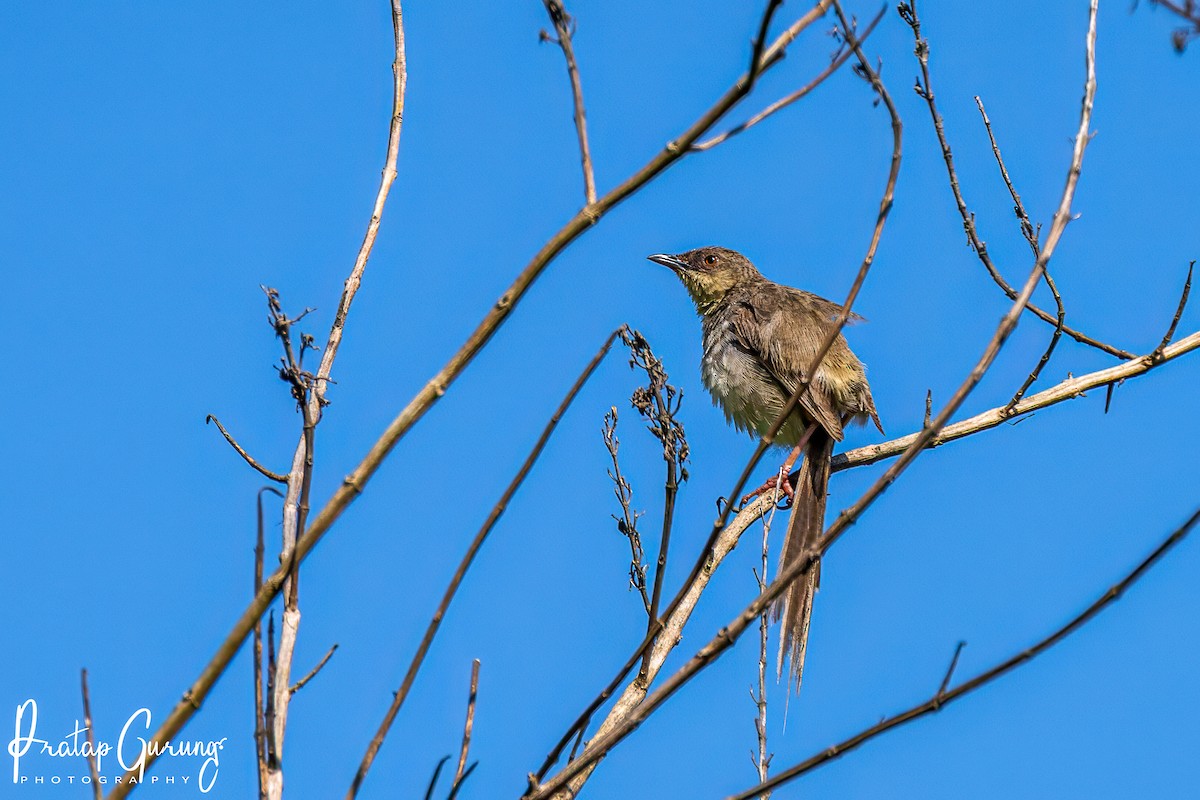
x,y
673,262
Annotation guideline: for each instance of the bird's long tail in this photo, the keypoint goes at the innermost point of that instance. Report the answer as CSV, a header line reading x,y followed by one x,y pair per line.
x,y
805,526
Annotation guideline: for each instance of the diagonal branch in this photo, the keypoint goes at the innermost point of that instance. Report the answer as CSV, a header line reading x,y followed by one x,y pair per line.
x,y
564,25
946,696
472,550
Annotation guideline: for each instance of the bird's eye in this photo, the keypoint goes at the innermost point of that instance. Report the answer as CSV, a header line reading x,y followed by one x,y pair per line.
x,y
710,259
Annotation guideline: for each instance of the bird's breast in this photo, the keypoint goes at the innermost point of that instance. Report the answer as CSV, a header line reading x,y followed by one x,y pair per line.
x,y
750,398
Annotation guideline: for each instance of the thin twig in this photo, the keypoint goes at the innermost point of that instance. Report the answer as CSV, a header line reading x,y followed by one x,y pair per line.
x,y
925,90
437,771
352,485
757,63
624,721
941,692
269,707
458,783
944,697
1069,389
93,766
260,722
627,522
312,673
563,26
1183,298
469,724
274,476
762,760
1031,236
468,557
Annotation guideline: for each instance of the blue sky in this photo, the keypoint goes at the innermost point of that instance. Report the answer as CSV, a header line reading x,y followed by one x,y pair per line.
x,y
163,160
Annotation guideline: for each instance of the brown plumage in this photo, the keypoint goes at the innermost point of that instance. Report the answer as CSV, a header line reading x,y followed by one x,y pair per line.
x,y
759,338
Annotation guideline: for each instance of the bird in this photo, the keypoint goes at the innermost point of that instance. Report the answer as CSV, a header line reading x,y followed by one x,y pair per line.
x,y
759,338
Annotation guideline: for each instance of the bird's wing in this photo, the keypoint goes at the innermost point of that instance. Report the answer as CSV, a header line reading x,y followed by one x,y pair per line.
x,y
783,333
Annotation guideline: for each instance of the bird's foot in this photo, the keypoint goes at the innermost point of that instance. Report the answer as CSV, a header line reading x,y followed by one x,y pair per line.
x,y
779,487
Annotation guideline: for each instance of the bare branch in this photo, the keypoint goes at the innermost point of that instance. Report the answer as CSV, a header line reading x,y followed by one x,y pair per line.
x,y
93,767
274,476
1067,390
944,697
564,25
925,90
468,725
468,557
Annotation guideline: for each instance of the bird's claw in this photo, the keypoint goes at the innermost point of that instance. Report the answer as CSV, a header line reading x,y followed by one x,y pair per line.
x,y
786,494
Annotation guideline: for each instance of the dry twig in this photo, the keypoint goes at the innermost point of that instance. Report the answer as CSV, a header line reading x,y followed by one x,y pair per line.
x,y
1157,355
564,27
459,774
312,673
627,522
275,476
658,402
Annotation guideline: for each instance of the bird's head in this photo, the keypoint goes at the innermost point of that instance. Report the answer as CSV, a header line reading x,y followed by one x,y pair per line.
x,y
709,273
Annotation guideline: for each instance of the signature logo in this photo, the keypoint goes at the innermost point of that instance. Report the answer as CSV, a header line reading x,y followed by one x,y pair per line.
x,y
131,751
